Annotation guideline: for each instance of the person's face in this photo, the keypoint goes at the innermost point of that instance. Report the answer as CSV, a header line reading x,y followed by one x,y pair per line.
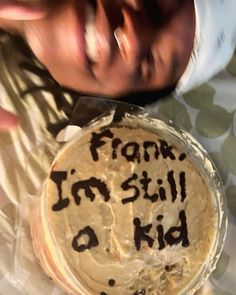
x,y
111,47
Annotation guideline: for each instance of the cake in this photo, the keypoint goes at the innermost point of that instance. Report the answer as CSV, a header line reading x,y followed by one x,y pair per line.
x,y
128,208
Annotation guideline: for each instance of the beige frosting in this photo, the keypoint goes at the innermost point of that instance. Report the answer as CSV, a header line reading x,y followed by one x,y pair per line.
x,y
123,260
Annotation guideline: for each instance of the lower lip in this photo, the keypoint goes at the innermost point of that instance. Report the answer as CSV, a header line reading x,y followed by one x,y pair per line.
x,y
80,12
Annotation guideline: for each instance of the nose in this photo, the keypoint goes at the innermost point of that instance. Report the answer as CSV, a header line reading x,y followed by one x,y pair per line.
x,y
134,37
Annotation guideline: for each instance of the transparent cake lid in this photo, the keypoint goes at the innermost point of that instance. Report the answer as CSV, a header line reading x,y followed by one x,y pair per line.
x,y
89,111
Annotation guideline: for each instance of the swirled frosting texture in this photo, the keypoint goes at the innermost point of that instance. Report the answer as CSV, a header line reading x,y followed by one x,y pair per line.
x,y
124,211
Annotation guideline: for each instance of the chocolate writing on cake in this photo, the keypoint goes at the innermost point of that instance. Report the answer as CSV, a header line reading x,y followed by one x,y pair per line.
x,y
132,151
135,186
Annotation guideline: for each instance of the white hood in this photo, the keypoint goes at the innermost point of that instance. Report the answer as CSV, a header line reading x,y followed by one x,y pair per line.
x,y
214,44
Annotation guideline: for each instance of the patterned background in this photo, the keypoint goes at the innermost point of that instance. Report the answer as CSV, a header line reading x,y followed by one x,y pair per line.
x,y
209,114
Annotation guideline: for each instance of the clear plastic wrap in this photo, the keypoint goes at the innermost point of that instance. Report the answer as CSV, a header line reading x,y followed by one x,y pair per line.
x,y
26,275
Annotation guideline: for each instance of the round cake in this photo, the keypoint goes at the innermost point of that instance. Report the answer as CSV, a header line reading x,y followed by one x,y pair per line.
x,y
129,208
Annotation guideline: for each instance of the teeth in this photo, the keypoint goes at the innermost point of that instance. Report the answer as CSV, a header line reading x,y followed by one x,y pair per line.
x,y
91,34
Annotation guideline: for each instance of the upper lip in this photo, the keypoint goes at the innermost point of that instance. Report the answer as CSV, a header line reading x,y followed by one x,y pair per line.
x,y
99,41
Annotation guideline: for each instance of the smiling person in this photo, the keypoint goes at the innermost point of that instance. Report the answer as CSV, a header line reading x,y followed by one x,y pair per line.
x,y
139,45
111,48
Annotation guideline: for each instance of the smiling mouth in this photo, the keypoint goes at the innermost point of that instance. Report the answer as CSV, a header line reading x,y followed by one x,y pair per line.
x,y
101,20
91,34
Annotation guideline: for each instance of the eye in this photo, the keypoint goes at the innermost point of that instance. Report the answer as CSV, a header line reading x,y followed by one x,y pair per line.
x,y
153,9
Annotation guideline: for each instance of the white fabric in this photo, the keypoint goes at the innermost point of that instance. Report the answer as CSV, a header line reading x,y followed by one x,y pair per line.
x,y
214,44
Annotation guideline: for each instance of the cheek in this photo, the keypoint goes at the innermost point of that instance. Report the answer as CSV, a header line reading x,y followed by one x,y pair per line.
x,y
71,77
43,43
38,39
40,43
116,76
